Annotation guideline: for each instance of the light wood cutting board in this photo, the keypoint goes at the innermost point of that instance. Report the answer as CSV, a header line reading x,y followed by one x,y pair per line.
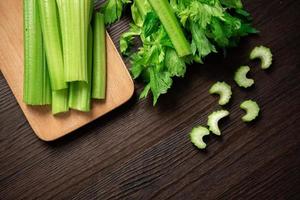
x,y
47,127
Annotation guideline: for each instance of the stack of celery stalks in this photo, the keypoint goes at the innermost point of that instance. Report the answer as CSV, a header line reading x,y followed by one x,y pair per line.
x,y
64,54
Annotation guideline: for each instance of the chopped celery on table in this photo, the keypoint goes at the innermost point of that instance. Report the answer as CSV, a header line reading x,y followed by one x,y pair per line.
x,y
240,77
196,136
213,120
264,54
99,58
37,89
252,110
222,89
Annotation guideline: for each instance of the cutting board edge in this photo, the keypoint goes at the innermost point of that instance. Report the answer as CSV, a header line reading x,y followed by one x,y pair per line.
x,y
64,133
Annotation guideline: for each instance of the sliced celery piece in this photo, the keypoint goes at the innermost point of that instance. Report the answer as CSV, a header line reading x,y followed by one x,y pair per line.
x,y
240,77
75,19
36,90
80,91
251,108
99,58
196,136
213,120
264,54
51,35
167,17
222,89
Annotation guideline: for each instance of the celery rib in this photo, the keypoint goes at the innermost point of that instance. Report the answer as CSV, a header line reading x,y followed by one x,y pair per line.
x,y
99,59
75,18
60,101
167,17
37,90
52,41
80,91
143,7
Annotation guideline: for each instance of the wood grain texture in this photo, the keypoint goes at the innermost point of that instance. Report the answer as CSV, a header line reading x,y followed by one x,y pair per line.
x,y
119,83
141,152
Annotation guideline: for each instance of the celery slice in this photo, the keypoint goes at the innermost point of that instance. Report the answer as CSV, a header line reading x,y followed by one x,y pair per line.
x,y
60,101
99,59
251,108
167,17
240,77
213,120
196,136
37,90
80,91
52,41
264,54
75,19
222,89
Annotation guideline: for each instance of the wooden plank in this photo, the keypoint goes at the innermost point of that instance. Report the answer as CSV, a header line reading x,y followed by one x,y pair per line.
x,y
48,127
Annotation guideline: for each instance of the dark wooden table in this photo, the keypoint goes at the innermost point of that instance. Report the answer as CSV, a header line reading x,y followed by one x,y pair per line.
x,y
141,152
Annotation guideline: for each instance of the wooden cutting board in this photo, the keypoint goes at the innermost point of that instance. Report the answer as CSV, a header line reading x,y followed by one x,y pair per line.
x,y
48,127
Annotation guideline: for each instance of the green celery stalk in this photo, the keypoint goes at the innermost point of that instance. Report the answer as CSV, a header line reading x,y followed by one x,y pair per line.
x,y
52,41
99,59
36,90
60,101
80,91
167,17
75,19
143,7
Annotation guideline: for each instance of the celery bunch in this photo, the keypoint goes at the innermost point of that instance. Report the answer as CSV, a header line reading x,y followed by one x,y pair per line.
x,y
58,54
176,33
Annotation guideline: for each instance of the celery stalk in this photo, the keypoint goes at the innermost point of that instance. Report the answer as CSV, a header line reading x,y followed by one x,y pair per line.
x,y
74,19
37,90
167,17
60,101
52,41
143,7
99,59
80,91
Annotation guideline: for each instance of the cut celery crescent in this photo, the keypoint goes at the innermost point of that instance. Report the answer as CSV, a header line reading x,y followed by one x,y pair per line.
x,y
222,89
240,77
213,120
252,110
196,136
264,54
